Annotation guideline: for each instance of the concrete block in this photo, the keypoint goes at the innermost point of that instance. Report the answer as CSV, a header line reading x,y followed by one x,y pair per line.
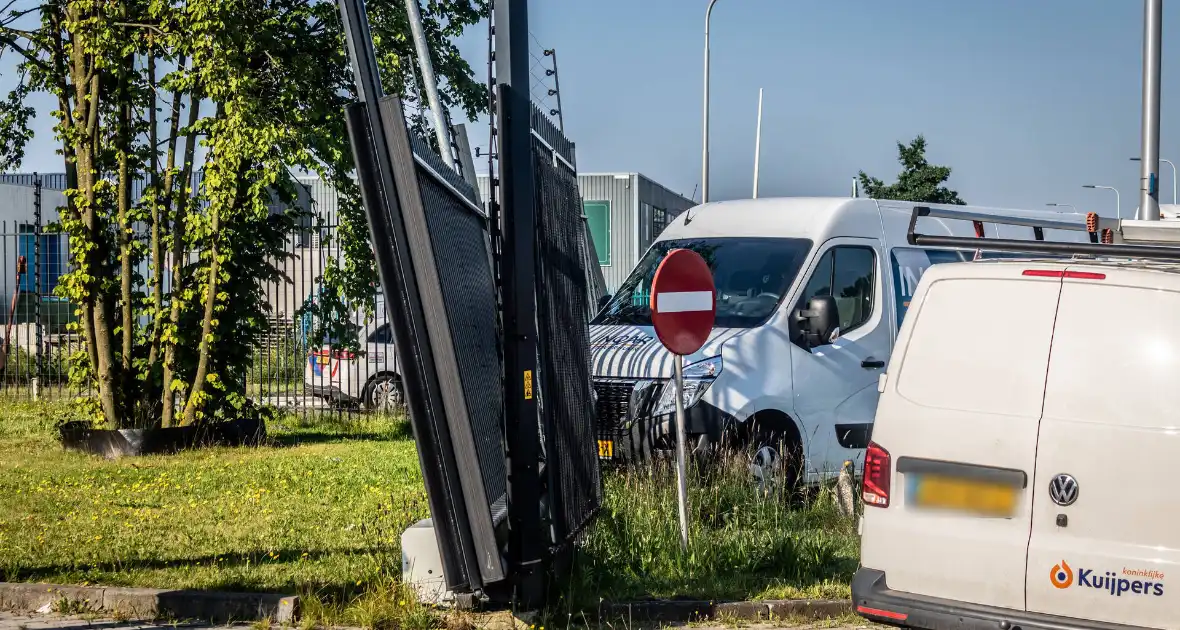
x,y
133,603
679,611
288,610
31,597
218,607
784,609
151,604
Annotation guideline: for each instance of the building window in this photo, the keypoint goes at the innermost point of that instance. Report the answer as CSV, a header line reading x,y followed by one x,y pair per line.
x,y
659,221
598,217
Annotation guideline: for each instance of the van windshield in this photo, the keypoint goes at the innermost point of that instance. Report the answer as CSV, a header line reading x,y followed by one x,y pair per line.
x,y
751,276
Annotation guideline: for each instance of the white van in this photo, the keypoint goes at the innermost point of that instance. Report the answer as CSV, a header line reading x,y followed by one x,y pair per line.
x,y
769,374
1028,419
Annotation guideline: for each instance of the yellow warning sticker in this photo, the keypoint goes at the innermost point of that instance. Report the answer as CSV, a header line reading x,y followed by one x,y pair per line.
x,y
528,384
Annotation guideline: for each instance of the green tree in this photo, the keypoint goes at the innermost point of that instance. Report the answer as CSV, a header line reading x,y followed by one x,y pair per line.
x,y
919,180
244,92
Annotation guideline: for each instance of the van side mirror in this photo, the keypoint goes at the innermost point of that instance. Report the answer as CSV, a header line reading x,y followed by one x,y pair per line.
x,y
819,323
603,301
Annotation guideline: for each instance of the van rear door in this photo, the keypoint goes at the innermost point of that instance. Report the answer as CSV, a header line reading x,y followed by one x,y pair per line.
x,y
1105,539
959,419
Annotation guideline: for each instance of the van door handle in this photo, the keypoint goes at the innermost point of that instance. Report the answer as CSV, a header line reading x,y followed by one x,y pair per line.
x,y
872,364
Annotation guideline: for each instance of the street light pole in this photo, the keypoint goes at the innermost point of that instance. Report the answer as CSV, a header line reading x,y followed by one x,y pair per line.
x,y
1149,196
758,144
1118,204
705,143
1169,162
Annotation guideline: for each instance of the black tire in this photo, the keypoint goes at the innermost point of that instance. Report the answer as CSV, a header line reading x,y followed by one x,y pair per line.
x,y
776,455
384,393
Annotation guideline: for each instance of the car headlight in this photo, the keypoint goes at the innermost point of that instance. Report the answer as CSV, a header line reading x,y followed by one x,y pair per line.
x,y
697,379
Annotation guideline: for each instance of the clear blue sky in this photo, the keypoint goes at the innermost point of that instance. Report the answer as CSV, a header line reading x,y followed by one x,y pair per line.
x,y
1026,100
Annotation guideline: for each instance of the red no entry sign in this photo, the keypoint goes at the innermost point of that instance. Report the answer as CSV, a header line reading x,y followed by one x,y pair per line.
x,y
683,304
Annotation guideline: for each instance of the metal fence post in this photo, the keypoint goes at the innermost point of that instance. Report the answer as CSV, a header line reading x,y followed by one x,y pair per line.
x,y
37,324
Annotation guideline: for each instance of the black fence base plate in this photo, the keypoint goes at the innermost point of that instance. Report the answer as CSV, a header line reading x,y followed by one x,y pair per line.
x,y
77,436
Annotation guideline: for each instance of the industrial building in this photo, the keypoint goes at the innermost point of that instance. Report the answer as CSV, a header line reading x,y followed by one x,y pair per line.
x,y
309,250
625,213
18,201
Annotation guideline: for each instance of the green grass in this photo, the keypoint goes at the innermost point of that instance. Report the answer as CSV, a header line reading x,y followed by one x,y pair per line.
x,y
742,544
318,511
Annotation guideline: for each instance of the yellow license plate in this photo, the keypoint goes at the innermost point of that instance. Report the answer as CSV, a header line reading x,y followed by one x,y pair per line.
x,y
963,495
322,359
606,449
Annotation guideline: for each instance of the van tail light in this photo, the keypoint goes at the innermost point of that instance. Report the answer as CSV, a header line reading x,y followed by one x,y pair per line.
x,y
342,354
1075,275
878,470
1043,273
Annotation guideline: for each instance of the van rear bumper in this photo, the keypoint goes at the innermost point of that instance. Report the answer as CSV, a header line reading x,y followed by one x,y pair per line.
x,y
873,600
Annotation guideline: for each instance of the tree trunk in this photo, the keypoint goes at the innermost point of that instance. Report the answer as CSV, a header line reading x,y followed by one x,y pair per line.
x,y
123,148
100,309
87,89
162,208
178,254
198,387
69,63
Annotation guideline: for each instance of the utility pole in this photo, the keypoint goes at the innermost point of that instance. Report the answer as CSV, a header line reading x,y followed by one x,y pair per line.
x,y
705,141
1149,202
758,143
423,49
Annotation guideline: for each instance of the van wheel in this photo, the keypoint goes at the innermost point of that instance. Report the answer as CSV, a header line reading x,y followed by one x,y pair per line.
x,y
775,455
384,394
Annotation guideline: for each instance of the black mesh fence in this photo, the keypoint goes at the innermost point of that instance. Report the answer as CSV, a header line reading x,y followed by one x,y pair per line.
x,y
563,309
459,229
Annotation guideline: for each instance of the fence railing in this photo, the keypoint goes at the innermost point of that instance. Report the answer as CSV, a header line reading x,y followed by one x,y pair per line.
x,y
291,368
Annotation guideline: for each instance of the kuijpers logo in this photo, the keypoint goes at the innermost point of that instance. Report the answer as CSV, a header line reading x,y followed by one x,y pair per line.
x,y
1062,577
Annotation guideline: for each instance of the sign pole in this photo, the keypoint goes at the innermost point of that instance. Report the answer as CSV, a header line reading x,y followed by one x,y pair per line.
x,y
681,457
683,311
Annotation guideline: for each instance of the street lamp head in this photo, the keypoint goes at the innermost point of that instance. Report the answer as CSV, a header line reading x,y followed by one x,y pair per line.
x,y
1136,159
1088,186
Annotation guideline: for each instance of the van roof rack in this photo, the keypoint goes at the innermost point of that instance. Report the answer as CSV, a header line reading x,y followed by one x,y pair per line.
x,y
1121,238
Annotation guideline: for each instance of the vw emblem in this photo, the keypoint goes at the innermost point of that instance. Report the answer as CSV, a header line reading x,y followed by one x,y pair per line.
x,y
1063,489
